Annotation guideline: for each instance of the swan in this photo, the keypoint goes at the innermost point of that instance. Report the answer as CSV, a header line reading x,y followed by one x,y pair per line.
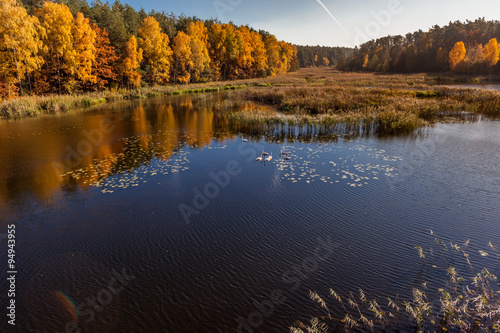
x,y
263,153
259,159
283,152
269,158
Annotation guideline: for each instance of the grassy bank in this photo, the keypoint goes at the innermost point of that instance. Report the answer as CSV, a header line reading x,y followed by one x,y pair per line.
x,y
36,105
365,103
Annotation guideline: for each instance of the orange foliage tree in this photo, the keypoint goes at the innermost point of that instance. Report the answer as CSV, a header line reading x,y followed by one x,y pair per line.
x,y
20,46
491,52
84,49
245,52
105,59
183,64
132,62
224,50
457,56
157,52
200,59
58,22
273,49
288,54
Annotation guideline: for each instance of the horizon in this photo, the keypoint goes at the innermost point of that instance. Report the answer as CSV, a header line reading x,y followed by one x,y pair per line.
x,y
335,25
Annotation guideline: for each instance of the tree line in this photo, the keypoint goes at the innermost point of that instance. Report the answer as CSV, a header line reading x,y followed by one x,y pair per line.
x,y
317,56
69,46
466,48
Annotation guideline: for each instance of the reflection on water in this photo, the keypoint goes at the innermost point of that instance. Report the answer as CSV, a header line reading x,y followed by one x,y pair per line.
x,y
85,148
104,247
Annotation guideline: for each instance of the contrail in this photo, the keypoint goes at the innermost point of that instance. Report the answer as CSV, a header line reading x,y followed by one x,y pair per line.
x,y
333,17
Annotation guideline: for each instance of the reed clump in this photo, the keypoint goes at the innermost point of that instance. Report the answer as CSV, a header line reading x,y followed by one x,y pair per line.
x,y
469,301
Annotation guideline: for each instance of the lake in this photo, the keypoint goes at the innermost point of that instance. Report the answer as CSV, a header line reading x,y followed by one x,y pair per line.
x,y
154,216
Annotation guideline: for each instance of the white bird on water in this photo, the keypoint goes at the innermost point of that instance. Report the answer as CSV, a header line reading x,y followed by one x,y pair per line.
x,y
269,158
259,159
283,152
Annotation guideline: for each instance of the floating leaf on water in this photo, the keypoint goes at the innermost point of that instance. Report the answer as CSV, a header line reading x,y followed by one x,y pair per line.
x,y
484,254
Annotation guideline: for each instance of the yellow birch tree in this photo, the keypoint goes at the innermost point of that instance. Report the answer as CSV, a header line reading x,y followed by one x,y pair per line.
x,y
132,61
84,47
20,44
259,54
245,56
157,51
58,23
200,58
181,46
273,50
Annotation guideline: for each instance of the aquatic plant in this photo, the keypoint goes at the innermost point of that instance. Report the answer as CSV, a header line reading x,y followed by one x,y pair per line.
x,y
468,302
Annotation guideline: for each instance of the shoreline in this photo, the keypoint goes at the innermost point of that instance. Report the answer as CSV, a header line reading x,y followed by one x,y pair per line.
x,y
321,96
32,106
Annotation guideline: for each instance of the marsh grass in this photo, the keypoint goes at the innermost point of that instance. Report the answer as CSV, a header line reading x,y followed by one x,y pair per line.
x,y
469,301
367,103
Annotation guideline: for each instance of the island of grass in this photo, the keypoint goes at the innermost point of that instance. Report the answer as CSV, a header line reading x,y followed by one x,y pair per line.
x,y
361,102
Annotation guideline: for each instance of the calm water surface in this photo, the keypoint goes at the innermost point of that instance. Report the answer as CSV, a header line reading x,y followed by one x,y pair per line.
x,y
153,216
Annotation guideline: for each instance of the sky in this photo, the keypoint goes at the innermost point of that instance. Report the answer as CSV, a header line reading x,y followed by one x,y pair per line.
x,y
330,22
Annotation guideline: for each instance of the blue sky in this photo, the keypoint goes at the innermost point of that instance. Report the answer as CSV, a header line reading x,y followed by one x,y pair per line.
x,y
331,22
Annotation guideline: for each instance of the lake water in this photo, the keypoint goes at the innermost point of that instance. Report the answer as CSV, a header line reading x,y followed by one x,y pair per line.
x,y
486,86
153,216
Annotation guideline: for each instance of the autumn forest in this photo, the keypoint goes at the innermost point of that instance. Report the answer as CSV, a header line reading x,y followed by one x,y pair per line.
x,y
70,46
50,47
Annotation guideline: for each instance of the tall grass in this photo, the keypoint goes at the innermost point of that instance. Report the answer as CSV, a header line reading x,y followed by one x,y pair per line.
x,y
469,301
364,102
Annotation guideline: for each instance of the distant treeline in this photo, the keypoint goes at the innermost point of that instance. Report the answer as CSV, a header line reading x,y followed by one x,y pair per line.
x,y
465,48
311,56
68,46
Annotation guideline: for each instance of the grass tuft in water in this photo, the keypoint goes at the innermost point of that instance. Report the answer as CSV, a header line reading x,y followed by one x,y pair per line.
x,y
468,302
